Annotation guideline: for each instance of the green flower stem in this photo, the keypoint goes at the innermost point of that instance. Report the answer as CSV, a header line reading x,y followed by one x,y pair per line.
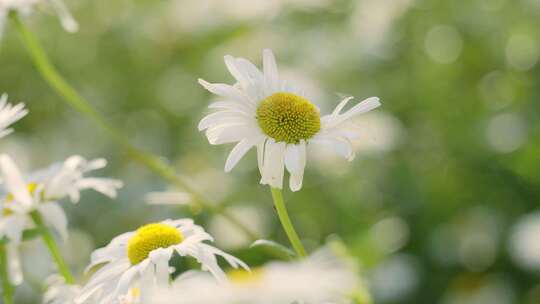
x,y
63,269
7,289
286,222
73,98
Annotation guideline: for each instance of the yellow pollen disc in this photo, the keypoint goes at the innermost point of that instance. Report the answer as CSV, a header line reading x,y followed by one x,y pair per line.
x,y
242,276
289,118
151,237
9,199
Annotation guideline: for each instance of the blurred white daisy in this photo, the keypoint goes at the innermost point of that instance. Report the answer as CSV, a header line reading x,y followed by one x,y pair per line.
x,y
41,191
9,114
58,292
263,111
26,7
323,277
140,259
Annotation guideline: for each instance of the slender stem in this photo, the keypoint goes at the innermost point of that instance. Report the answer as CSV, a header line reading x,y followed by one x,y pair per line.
x,y
286,222
73,98
7,289
53,248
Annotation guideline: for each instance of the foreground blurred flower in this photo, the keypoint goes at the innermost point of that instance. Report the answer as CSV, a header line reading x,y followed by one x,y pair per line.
x,y
9,114
263,111
25,7
320,278
139,260
40,192
58,292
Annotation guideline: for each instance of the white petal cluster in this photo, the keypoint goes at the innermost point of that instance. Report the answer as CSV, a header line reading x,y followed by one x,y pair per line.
x,y
234,120
40,191
9,114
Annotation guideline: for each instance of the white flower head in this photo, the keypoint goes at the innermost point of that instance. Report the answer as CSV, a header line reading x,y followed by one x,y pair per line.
x,y
9,114
140,259
26,7
263,111
20,195
321,278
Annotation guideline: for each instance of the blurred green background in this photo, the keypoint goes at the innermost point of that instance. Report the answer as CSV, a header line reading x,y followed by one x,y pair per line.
x,y
440,204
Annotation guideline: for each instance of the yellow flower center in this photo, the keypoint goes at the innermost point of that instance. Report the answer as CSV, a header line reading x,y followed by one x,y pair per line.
x,y
242,276
10,198
289,118
151,237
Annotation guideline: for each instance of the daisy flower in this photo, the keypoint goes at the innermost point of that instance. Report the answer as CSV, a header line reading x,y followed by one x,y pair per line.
x,y
9,114
323,277
26,7
139,260
41,191
263,111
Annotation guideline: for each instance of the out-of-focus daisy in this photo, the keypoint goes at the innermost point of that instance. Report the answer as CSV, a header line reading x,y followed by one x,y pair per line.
x,y
263,111
41,191
9,114
58,292
321,278
25,7
140,259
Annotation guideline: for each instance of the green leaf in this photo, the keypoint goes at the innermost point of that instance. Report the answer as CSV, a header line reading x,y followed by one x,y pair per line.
x,y
276,248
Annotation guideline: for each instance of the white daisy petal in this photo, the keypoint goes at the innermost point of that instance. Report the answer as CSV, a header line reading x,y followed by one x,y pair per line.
x,y
273,166
224,90
295,162
341,105
232,106
250,70
236,71
270,72
66,19
9,114
340,145
221,117
363,107
230,133
14,182
239,151
13,226
54,216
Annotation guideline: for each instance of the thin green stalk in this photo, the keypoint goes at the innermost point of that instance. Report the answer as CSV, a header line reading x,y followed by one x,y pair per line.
x,y
73,98
7,289
47,237
286,222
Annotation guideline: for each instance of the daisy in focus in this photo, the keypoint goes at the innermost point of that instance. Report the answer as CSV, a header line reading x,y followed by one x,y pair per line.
x,y
9,114
40,192
137,262
323,277
26,7
263,111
